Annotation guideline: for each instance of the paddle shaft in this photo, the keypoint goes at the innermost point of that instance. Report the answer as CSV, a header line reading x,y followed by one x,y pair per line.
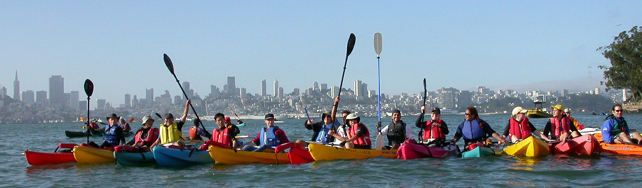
x,y
88,121
351,41
190,104
305,108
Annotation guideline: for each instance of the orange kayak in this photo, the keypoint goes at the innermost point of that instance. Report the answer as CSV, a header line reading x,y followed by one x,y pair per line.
x,y
620,149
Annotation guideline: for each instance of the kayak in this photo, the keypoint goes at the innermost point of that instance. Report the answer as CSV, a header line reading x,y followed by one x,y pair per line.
x,y
241,125
621,149
88,154
75,134
231,156
482,151
583,145
57,157
297,153
134,158
410,149
322,152
180,157
529,147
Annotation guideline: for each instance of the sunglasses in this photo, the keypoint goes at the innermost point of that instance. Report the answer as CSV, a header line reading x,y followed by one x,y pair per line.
x,y
617,110
467,114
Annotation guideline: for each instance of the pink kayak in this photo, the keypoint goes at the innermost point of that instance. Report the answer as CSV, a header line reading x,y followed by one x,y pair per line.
x,y
410,149
583,145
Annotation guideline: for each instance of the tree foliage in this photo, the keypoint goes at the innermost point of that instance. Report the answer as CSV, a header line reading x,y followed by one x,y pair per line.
x,y
625,54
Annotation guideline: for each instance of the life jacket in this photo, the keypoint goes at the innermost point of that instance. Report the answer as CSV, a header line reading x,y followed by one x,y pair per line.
x,y
519,129
433,132
194,133
620,124
152,135
364,140
473,130
396,132
110,135
322,135
559,127
169,134
222,137
269,137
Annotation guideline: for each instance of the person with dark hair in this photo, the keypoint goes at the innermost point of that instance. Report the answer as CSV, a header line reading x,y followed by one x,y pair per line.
x,y
434,131
475,130
616,130
358,134
224,134
196,130
228,123
559,126
397,131
170,130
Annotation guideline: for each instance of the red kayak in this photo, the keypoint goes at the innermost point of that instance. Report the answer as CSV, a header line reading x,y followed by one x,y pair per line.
x,y
410,149
57,157
297,154
583,145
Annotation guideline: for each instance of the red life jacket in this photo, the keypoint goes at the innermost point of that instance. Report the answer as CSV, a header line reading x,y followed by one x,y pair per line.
x,y
519,129
559,127
152,135
364,140
222,137
193,133
432,132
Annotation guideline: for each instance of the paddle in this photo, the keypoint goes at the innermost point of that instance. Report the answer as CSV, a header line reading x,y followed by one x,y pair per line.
x,y
305,108
422,115
350,47
89,89
170,66
377,47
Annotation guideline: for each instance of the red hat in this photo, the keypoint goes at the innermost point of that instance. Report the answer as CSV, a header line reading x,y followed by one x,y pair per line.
x,y
227,120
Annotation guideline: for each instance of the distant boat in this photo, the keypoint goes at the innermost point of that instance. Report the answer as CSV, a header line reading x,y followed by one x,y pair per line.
x,y
538,112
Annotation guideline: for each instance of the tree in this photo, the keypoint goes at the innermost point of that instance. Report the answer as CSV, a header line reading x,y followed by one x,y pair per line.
x,y
625,54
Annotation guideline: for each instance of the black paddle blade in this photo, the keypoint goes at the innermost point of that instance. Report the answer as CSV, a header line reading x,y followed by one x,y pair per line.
x,y
351,42
159,116
89,87
168,63
424,84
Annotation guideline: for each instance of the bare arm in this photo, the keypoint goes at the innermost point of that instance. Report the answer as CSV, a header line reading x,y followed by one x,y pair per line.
x,y
186,111
334,110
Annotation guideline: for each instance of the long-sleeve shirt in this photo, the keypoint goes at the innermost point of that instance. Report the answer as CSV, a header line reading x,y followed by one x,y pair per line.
x,y
609,129
422,125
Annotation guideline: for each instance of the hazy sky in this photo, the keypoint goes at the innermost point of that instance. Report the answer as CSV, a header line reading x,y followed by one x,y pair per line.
x,y
119,45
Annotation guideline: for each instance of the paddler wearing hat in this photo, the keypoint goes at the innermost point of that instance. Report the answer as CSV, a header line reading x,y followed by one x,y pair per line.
x,y
397,131
559,126
518,127
113,133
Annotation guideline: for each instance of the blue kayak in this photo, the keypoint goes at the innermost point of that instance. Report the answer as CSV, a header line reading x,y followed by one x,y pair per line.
x,y
482,152
134,158
180,157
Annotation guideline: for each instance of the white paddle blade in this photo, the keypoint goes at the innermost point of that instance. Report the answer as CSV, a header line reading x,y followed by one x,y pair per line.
x,y
377,43
379,142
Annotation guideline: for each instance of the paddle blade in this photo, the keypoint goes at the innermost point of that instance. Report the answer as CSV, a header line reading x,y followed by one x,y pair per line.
x,y
424,84
351,42
159,116
89,87
83,118
168,63
377,43
131,120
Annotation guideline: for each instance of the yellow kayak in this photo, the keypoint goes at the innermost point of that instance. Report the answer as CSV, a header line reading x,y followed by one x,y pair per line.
x,y
84,154
230,156
529,147
323,152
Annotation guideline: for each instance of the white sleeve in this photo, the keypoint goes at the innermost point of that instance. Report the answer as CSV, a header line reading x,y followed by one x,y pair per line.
x,y
384,130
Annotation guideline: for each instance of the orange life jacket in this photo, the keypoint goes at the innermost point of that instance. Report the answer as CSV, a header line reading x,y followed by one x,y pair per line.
x,y
364,140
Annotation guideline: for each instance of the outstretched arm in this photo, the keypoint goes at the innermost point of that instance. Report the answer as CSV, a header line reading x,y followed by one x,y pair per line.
x,y
334,109
186,111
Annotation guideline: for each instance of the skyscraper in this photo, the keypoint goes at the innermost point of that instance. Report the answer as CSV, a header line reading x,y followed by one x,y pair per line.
x,y
188,90
149,96
231,85
128,100
28,97
16,88
263,88
74,98
41,97
276,88
56,90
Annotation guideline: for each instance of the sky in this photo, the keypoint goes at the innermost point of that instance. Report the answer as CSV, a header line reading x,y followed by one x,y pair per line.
x,y
119,45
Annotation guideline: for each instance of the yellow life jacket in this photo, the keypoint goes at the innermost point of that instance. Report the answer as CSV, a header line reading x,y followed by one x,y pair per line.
x,y
169,134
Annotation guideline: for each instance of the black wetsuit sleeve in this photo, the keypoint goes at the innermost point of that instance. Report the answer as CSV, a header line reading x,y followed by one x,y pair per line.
x,y
444,128
119,134
420,124
361,131
180,124
507,129
487,129
532,127
547,128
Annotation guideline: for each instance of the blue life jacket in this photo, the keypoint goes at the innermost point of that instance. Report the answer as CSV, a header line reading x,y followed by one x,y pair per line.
x,y
269,137
473,130
323,134
110,135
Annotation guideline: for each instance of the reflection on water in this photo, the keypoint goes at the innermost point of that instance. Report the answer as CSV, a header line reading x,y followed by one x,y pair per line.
x,y
35,171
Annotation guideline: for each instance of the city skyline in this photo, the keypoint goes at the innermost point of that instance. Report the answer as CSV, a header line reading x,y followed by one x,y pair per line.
x,y
453,44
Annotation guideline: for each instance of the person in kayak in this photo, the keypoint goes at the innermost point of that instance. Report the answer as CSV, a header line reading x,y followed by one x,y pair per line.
x,y
228,123
225,133
475,130
113,133
170,130
93,125
124,124
559,126
616,130
434,131
358,134
397,131
144,136
196,131
567,113
269,136
518,127
320,130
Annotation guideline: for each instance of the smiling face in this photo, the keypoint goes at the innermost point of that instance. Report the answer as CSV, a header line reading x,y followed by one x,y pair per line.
x,y
469,116
396,117
617,111
149,123
557,113
220,121
519,117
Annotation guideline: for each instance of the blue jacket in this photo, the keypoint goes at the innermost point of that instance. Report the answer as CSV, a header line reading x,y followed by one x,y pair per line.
x,y
612,127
